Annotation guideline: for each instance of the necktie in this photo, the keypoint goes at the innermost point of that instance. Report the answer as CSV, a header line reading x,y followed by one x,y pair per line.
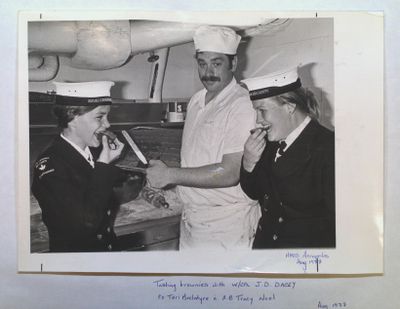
x,y
90,160
280,151
282,146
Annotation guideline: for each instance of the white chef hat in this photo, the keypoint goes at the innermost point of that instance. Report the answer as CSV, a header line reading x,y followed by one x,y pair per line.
x,y
83,94
272,84
217,39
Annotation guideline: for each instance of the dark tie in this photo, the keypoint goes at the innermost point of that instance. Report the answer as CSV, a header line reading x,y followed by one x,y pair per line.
x,y
90,160
282,146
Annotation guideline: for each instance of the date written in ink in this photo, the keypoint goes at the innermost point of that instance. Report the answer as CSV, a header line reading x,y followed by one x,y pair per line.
x,y
334,305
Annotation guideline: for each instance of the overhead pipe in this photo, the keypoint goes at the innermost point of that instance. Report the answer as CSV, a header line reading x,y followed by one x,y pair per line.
x,y
35,61
94,45
153,35
46,67
101,45
58,37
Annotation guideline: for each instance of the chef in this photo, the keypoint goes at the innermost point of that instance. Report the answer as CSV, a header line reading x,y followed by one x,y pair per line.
x,y
216,213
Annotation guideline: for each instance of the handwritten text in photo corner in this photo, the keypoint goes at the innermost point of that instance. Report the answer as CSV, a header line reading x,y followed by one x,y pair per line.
x,y
309,262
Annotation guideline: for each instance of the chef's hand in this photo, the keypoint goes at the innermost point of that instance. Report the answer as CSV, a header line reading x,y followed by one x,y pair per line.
x,y
253,149
110,152
157,174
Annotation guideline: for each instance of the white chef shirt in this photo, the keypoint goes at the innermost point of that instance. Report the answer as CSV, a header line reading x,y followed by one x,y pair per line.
x,y
223,217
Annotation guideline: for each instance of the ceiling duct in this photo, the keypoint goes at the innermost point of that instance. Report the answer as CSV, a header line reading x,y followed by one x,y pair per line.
x,y
102,45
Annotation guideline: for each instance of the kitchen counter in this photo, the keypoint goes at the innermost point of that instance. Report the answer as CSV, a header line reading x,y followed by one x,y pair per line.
x,y
139,225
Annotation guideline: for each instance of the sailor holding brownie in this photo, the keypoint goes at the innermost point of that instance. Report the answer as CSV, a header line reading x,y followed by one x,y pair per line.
x,y
288,165
74,187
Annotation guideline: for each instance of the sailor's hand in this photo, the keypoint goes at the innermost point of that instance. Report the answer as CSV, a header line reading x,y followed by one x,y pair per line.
x,y
253,149
110,152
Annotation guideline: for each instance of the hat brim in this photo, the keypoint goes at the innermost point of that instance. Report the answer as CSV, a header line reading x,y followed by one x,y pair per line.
x,y
268,92
82,101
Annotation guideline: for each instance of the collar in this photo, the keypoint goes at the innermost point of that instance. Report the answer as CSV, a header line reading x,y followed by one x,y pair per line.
x,y
84,153
296,132
223,93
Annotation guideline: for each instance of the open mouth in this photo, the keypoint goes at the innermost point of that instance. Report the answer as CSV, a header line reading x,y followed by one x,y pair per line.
x,y
98,136
266,128
110,137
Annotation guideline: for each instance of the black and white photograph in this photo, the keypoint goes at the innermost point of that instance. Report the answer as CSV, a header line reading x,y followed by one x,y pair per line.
x,y
203,179
168,138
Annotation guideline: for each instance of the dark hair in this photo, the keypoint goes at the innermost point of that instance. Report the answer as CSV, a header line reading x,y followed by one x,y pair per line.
x,y
303,98
66,113
230,59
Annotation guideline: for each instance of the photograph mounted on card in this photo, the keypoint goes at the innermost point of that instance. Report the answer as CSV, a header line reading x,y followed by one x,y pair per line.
x,y
240,143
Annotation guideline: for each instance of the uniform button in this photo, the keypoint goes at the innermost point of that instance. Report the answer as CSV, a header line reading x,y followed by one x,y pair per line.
x,y
281,203
109,247
280,220
108,212
108,229
266,197
265,209
99,236
259,227
275,237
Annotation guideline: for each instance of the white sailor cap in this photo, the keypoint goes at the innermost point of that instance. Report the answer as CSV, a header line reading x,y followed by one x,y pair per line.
x,y
216,39
83,94
272,84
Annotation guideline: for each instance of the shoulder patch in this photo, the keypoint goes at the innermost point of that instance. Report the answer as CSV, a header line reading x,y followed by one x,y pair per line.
x,y
43,166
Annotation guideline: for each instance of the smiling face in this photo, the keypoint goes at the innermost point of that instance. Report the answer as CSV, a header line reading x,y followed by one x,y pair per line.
x,y
275,116
84,129
215,70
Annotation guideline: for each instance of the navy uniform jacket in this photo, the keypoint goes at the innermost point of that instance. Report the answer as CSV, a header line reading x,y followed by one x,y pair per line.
x,y
296,193
77,201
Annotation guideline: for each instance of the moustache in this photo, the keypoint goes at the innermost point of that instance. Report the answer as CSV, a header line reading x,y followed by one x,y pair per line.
x,y
210,79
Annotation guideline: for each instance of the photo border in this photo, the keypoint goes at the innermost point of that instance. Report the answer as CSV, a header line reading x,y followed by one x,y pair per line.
x,y
358,84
